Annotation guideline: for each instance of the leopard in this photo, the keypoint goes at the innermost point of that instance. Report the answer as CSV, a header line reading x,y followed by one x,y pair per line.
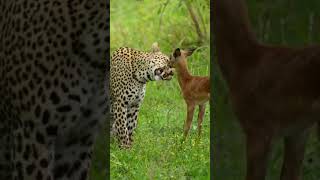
x,y
54,73
130,71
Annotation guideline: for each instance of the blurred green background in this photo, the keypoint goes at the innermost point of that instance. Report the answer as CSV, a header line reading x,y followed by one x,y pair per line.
x,y
157,152
288,22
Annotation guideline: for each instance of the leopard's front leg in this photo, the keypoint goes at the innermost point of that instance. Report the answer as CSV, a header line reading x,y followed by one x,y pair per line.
x,y
132,118
120,125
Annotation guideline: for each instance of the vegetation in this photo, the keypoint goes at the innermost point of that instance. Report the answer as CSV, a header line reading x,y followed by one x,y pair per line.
x,y
294,23
158,152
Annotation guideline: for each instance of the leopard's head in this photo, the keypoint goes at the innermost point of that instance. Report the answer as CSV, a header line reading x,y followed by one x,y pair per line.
x,y
161,65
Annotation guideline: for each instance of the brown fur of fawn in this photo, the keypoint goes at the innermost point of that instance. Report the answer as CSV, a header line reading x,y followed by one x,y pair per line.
x,y
195,89
274,90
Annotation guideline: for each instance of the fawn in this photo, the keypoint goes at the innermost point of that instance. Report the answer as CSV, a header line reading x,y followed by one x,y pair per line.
x,y
274,90
195,89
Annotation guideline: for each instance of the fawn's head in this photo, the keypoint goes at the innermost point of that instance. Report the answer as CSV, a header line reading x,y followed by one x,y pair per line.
x,y
180,56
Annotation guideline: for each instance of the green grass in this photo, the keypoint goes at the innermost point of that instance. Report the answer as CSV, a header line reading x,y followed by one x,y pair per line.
x,y
158,152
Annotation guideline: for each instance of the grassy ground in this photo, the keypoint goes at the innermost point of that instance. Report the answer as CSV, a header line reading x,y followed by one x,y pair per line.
x,y
157,152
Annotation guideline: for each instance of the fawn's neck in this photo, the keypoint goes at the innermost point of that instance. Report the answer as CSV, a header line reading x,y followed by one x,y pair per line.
x,y
183,73
236,44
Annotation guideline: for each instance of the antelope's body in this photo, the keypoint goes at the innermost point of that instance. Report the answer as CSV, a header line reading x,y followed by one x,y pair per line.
x,y
274,89
195,89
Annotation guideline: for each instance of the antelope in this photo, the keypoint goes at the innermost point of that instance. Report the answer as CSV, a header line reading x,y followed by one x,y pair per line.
x,y
274,90
195,89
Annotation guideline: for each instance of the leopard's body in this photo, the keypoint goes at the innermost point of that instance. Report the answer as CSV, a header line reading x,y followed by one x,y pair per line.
x,y
130,70
53,88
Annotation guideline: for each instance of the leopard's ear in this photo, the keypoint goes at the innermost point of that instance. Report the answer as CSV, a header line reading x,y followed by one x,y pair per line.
x,y
155,47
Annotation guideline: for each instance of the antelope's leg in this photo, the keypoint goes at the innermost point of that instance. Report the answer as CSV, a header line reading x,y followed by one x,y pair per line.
x,y
187,125
258,148
293,156
202,109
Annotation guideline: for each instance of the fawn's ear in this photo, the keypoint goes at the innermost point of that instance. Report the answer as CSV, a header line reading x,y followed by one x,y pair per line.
x,y
190,51
155,47
177,53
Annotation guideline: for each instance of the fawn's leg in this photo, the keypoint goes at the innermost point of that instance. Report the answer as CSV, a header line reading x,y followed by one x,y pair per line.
x,y
202,109
187,125
293,156
258,147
